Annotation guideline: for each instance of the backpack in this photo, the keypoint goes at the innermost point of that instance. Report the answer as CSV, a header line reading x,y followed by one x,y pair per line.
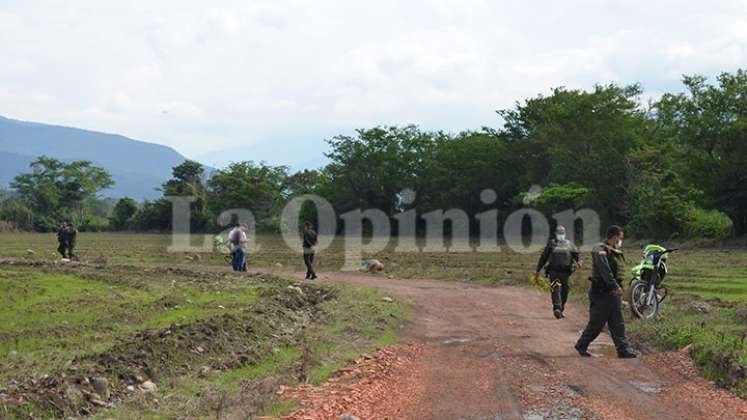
x,y
561,255
235,237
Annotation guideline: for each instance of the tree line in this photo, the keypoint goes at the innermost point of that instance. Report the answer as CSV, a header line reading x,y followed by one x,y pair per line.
x,y
674,166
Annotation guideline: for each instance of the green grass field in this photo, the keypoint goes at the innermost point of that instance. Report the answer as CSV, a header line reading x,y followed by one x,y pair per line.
x,y
136,306
138,318
707,272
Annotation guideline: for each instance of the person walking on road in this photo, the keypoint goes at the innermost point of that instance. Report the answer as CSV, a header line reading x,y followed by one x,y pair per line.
x,y
605,295
309,242
559,259
237,245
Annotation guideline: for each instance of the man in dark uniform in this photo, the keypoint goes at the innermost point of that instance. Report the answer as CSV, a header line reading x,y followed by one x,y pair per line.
x,y
62,239
309,242
71,235
559,259
605,295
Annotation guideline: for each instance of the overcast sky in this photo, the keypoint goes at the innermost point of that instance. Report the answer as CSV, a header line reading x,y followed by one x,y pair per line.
x,y
255,79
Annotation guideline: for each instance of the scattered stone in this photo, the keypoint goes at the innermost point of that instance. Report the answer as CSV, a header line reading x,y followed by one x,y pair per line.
x,y
73,396
538,388
130,388
347,416
279,265
30,252
647,387
700,307
199,349
101,386
204,372
296,289
148,386
387,299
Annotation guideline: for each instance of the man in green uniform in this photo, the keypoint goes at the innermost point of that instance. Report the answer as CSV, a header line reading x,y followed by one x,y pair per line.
x,y
62,239
71,235
309,242
559,259
605,295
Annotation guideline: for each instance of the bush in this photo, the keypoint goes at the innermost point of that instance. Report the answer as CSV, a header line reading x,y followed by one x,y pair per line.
x,y
710,224
95,224
17,214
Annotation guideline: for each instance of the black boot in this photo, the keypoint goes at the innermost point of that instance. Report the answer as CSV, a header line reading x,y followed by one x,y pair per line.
x,y
582,352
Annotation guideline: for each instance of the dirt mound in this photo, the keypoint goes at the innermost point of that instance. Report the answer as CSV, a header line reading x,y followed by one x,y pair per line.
x,y
142,360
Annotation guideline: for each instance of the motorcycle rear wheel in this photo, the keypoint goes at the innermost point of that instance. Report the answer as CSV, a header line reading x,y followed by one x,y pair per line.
x,y
639,306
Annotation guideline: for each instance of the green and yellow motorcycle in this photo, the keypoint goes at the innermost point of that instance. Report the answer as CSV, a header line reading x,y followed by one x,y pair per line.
x,y
646,291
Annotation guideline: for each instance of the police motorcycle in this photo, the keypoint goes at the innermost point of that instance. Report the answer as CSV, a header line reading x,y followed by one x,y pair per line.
x,y
646,291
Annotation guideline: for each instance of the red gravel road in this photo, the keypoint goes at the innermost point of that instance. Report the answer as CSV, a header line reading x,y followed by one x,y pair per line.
x,y
473,352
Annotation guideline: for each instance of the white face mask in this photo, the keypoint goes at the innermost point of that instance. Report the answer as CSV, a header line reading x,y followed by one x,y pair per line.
x,y
560,237
619,244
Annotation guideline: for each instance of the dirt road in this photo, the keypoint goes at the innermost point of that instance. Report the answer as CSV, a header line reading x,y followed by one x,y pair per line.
x,y
498,353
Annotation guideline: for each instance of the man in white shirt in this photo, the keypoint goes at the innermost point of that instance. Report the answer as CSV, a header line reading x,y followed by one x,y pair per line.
x,y
237,245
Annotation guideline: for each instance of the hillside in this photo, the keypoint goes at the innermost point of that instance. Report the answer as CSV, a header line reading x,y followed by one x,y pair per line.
x,y
137,167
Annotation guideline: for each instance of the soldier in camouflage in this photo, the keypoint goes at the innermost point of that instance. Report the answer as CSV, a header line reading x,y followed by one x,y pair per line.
x,y
605,295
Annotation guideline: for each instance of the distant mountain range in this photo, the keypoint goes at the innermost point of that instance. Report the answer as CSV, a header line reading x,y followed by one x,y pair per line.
x,y
137,167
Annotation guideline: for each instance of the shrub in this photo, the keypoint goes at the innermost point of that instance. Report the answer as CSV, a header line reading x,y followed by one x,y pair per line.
x,y
17,214
710,224
95,224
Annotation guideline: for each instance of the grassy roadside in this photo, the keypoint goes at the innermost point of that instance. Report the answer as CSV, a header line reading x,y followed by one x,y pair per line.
x,y
211,343
712,330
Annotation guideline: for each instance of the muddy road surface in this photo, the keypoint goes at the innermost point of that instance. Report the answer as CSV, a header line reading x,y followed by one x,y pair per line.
x,y
498,353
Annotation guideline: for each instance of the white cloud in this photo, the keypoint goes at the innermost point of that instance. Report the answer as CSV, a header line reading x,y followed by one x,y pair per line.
x,y
203,77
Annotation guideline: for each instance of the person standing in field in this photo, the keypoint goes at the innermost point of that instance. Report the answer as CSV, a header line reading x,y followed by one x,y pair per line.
x,y
559,259
309,242
71,235
62,239
605,295
237,245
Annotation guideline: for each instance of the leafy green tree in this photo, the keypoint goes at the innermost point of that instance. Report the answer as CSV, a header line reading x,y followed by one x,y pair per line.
x,y
458,168
574,136
153,216
55,190
247,185
370,169
709,124
122,213
187,181
556,198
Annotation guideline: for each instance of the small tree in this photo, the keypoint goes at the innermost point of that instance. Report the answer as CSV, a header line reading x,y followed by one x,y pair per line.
x,y
123,213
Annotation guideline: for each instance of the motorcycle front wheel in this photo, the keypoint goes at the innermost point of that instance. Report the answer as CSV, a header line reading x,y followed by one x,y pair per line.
x,y
639,301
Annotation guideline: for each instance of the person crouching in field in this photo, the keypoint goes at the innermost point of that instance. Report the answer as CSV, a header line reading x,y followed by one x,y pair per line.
x,y
559,259
309,242
237,245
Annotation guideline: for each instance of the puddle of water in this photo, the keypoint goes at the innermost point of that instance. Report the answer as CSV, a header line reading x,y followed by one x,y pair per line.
x,y
456,340
537,388
560,410
572,390
648,387
603,350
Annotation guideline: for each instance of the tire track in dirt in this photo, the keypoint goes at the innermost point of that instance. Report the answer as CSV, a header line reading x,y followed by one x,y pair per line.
x,y
498,353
